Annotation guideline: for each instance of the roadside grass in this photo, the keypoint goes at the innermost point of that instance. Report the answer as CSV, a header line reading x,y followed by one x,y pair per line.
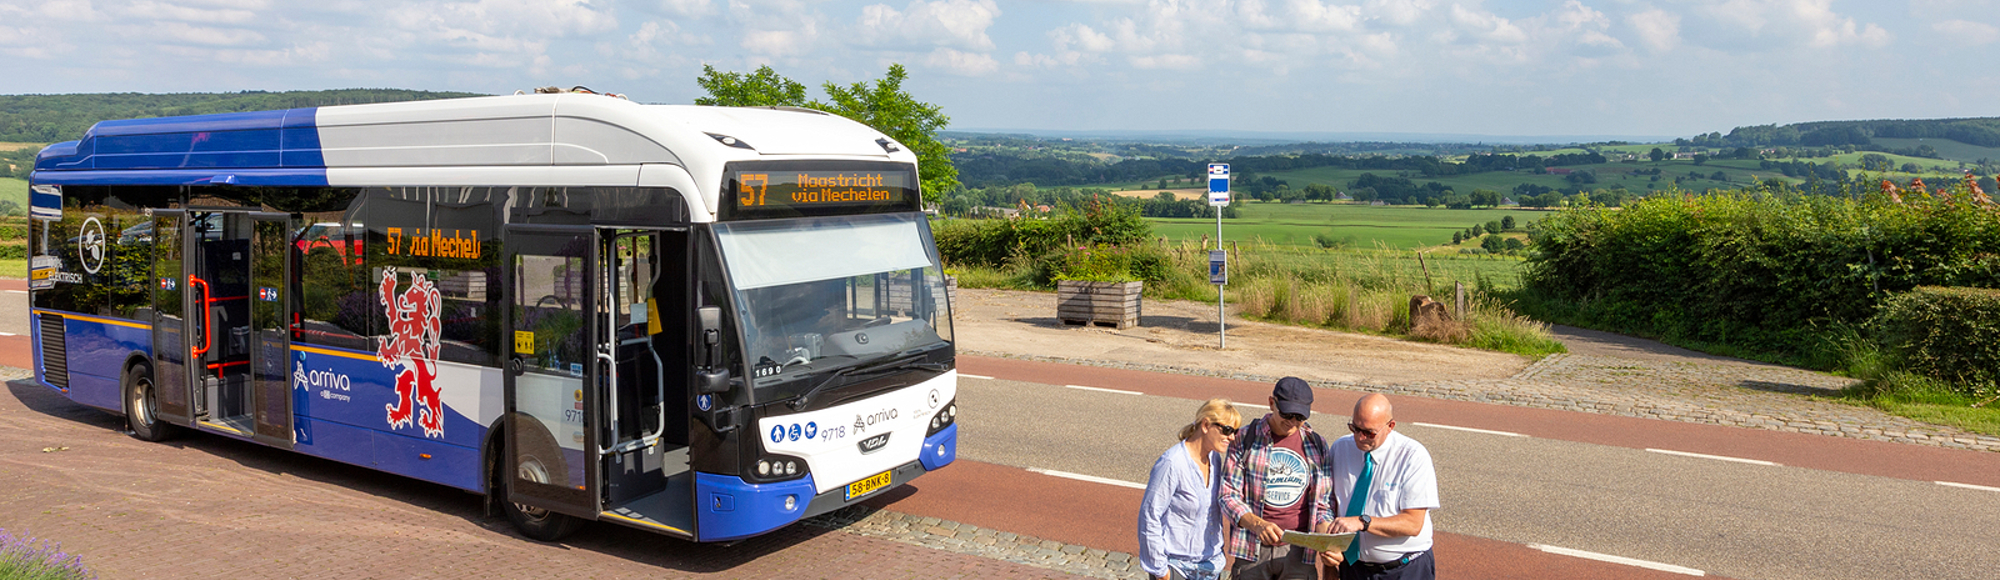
x,y
13,267
1922,399
1354,290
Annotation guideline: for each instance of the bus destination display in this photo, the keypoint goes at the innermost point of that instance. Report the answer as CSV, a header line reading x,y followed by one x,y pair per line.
x,y
778,193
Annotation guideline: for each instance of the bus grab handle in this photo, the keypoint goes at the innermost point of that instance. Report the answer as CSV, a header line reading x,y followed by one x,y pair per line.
x,y
207,324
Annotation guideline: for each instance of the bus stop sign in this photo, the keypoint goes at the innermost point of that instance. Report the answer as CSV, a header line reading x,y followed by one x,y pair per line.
x,y
1218,267
1218,184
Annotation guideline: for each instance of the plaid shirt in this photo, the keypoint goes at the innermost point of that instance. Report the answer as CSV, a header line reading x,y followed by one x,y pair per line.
x,y
1243,483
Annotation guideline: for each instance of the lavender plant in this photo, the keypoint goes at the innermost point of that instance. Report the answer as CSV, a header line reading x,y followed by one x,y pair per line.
x,y
24,558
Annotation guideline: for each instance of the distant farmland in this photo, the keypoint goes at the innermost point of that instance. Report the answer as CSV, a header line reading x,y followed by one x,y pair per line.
x,y
1361,226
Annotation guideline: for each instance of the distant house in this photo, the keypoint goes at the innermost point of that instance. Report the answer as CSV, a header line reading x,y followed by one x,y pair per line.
x,y
1378,202
1685,155
1560,171
1508,201
1342,197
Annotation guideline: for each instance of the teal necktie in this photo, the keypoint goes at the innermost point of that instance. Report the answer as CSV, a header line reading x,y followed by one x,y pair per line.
x,y
1357,502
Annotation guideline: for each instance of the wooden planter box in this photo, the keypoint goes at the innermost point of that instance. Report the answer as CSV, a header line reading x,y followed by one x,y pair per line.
x,y
1113,304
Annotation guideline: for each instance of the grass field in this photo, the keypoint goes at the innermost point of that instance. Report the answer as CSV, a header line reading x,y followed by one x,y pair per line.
x,y
15,190
1946,148
1358,226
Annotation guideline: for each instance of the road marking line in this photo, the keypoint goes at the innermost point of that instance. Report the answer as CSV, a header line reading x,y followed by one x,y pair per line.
x,y
1467,429
8,334
1619,560
966,376
1089,478
1252,405
17,291
1715,457
1967,485
1101,389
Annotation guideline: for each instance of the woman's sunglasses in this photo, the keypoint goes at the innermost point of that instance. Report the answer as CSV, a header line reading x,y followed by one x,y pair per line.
x,y
1227,431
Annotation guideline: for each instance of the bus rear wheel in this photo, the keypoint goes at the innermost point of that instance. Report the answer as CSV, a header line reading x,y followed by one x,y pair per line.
x,y
141,414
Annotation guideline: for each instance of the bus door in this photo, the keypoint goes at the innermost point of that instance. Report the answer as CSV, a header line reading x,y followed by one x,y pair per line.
x,y
234,327
645,284
551,415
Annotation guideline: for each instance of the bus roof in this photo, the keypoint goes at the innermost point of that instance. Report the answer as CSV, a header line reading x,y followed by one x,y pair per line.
x,y
312,146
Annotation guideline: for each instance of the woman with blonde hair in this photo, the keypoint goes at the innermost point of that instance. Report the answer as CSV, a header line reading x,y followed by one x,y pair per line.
x,y
1180,525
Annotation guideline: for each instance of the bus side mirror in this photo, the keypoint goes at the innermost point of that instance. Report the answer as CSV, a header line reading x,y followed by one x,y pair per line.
x,y
710,380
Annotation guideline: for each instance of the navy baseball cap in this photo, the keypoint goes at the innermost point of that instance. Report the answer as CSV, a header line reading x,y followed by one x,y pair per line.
x,y
1294,396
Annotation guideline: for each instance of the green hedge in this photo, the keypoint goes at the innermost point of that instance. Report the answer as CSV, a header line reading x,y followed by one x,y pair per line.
x,y
995,243
1949,334
1760,271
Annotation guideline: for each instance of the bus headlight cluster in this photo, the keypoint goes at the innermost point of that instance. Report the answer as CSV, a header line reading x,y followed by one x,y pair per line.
x,y
777,468
774,467
944,417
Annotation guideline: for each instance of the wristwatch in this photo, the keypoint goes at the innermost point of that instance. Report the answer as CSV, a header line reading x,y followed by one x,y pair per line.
x,y
1365,520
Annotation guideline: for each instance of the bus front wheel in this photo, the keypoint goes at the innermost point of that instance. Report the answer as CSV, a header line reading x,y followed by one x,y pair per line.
x,y
533,522
141,414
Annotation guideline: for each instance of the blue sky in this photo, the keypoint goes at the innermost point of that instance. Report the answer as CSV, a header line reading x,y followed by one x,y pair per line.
x,y
1526,67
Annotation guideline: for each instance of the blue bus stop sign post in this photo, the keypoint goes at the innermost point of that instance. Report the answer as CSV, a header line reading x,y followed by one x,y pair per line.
x,y
1218,274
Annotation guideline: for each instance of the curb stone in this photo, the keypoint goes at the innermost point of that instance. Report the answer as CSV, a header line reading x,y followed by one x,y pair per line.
x,y
967,539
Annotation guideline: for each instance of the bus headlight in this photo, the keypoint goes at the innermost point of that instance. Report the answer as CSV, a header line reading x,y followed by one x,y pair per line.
x,y
772,468
944,417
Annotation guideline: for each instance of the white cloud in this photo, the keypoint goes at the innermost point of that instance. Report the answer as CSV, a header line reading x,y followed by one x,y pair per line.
x,y
1967,32
950,23
1658,29
961,63
1810,22
683,8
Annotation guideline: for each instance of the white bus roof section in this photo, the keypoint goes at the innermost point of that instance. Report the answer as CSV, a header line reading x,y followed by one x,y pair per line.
x,y
579,129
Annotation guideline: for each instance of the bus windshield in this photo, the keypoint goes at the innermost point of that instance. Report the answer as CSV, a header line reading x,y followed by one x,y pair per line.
x,y
824,293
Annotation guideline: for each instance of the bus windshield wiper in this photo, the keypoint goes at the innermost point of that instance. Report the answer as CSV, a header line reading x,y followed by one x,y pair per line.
x,y
897,364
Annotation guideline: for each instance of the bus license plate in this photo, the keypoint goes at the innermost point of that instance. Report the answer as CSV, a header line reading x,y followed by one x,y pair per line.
x,y
865,486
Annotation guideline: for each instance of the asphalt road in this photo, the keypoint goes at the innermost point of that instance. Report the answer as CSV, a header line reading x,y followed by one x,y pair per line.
x,y
1591,485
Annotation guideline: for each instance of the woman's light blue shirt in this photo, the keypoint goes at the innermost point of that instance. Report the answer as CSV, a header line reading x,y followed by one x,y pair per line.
x,y
1179,520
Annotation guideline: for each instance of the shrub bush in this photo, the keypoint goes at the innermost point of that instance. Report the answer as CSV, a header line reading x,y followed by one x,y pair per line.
x,y
1948,334
1759,271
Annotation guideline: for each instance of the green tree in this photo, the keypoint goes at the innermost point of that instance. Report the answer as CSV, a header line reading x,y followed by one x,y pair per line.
x,y
1507,222
881,104
1457,237
1656,154
1492,227
1492,244
1485,197
764,88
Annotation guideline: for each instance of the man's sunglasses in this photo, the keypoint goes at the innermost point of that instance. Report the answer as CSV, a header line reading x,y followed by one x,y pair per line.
x,y
1369,433
1293,417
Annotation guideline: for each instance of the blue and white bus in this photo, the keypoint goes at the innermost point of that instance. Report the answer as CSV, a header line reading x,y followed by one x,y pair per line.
x,y
706,322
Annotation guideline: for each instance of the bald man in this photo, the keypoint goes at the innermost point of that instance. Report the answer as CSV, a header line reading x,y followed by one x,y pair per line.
x,y
1392,512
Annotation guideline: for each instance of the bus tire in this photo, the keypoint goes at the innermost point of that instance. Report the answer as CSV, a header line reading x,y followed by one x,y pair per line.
x,y
141,415
541,462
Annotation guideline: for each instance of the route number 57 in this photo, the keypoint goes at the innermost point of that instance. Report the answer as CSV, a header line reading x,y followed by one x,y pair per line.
x,y
751,188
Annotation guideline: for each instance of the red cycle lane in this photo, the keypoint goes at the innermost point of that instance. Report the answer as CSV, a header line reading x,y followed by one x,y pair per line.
x,y
1105,517
1877,458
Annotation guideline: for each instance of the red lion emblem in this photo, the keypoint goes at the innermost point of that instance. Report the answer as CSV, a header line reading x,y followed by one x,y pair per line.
x,y
413,345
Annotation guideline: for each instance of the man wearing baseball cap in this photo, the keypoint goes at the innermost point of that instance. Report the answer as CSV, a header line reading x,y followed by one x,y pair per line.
x,y
1271,484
